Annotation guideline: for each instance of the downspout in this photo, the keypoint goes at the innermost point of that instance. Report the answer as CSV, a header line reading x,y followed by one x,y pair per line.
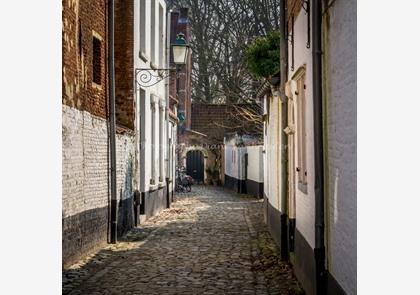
x,y
168,147
111,72
319,250
284,251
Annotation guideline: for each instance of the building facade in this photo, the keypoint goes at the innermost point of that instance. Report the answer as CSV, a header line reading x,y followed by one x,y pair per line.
x,y
151,52
244,164
85,133
143,133
320,234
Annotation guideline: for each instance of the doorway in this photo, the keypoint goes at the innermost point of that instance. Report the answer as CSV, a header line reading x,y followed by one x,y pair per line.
x,y
195,165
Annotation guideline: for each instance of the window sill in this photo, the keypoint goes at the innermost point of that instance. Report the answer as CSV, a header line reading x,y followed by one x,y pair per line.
x,y
96,86
153,187
153,66
303,187
143,56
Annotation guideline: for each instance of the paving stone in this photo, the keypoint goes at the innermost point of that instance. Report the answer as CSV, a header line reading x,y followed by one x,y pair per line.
x,y
212,241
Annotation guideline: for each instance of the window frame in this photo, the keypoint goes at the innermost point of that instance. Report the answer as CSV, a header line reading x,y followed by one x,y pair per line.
x,y
301,129
142,29
97,61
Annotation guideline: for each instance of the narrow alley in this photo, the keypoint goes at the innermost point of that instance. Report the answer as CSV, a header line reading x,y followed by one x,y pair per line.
x,y
212,241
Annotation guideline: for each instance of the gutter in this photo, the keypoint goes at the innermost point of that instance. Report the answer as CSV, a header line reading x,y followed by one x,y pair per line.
x,y
319,251
113,158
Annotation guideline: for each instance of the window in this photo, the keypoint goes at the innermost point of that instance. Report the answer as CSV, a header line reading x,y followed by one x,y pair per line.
x,y
301,130
79,38
153,147
96,61
161,49
161,139
153,30
143,26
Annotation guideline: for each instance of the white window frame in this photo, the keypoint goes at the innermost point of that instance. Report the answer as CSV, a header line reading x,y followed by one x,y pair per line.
x,y
301,126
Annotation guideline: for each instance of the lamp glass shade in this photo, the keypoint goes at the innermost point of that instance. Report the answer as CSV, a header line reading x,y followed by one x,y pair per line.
x,y
180,53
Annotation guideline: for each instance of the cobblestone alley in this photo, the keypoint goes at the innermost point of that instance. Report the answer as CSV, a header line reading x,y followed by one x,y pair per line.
x,y
211,241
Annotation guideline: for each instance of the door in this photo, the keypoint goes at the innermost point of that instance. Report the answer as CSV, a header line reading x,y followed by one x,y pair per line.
x,y
245,189
195,165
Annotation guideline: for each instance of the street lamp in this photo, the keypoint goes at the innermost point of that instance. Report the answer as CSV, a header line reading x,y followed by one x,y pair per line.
x,y
180,50
146,77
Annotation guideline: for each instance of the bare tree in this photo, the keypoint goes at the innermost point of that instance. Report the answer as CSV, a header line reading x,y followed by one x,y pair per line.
x,y
221,30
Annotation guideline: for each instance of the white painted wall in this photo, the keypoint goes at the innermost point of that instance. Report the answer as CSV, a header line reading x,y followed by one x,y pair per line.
x,y
144,105
305,203
229,165
171,155
235,161
85,162
272,175
342,145
255,163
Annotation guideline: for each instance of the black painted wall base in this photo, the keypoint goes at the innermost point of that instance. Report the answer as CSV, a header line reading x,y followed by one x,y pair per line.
x,y
333,287
243,186
153,202
125,216
255,188
82,233
273,221
291,229
304,263
304,254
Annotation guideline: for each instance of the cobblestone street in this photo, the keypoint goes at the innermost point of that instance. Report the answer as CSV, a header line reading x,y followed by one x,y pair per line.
x,y
211,241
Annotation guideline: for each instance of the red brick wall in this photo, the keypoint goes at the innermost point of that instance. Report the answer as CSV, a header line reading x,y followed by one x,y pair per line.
x,y
124,63
178,25
210,119
215,120
80,18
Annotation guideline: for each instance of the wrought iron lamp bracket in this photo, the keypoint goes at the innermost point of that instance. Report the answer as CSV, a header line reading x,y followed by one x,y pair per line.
x,y
147,77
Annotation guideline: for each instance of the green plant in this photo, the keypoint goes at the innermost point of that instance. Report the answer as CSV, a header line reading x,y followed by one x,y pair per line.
x,y
263,55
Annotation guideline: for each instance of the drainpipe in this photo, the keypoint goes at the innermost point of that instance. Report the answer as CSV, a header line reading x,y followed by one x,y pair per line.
x,y
111,71
284,251
319,250
168,153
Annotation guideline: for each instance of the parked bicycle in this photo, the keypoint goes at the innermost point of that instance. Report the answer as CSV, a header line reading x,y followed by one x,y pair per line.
x,y
183,182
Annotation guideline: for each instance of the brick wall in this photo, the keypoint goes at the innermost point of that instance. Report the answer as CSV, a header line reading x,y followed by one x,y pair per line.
x,y
85,178
85,158
216,119
210,119
82,19
180,24
124,63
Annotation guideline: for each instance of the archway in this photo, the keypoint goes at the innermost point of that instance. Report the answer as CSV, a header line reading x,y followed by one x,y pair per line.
x,y
195,165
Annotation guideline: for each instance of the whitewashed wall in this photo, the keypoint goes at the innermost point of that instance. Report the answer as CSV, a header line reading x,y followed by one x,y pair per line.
x,y
342,143
85,162
237,168
255,163
305,203
272,145
144,107
233,158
